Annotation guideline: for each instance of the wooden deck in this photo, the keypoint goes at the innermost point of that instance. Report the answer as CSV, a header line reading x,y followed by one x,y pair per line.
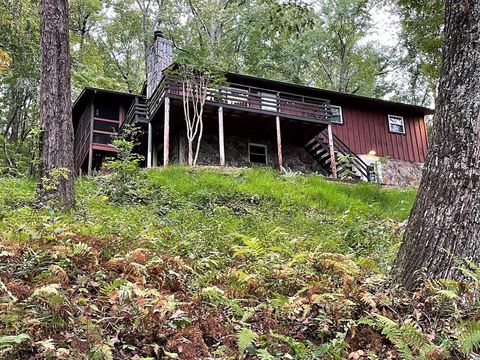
x,y
250,99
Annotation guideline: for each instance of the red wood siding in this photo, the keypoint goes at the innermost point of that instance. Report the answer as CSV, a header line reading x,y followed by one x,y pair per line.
x,y
364,130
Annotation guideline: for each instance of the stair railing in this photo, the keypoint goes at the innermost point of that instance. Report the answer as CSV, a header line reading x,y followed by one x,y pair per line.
x,y
340,147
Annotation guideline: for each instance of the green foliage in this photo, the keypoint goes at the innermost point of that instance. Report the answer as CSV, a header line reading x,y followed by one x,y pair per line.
x,y
246,340
423,45
346,167
125,181
345,60
19,80
469,338
407,338
52,180
10,342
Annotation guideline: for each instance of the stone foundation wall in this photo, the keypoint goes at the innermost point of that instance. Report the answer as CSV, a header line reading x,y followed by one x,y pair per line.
x,y
401,173
295,158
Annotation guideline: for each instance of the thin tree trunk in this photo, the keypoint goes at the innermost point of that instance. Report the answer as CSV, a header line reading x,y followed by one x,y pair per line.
x,y
55,105
445,220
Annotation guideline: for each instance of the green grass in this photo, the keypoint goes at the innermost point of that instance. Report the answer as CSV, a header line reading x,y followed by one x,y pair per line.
x,y
201,212
298,191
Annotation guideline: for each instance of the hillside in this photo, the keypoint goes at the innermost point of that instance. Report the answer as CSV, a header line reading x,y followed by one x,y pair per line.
x,y
210,264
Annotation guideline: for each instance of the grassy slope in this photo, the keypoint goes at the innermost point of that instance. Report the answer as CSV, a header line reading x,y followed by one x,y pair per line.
x,y
231,246
212,205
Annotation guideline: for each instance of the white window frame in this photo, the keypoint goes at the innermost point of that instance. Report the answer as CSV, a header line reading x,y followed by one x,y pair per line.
x,y
269,101
233,99
390,117
341,114
259,145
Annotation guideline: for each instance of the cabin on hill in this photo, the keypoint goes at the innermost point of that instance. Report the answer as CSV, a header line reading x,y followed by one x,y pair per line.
x,y
251,120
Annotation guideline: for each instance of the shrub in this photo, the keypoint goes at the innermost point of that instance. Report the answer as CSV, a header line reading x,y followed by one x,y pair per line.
x,y
125,182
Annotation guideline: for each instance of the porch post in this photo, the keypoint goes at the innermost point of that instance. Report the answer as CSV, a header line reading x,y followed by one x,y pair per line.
x,y
149,145
181,149
166,132
90,161
333,161
279,143
221,140
90,151
154,154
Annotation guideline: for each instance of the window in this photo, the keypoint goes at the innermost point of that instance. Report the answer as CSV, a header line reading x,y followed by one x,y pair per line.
x,y
236,96
106,110
337,114
269,101
106,126
257,153
396,124
99,138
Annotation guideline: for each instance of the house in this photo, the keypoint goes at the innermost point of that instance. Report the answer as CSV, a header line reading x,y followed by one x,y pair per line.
x,y
252,120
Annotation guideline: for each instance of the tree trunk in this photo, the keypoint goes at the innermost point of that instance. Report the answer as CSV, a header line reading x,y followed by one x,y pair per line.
x,y
445,220
55,105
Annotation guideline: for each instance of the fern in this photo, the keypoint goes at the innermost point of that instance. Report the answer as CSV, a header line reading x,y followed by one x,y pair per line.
x,y
263,354
115,284
251,246
404,337
298,348
80,249
245,339
8,342
469,338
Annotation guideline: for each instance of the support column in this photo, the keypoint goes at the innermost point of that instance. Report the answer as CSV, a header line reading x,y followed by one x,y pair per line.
x,y
90,151
333,161
154,154
221,139
149,145
90,160
166,132
279,143
181,149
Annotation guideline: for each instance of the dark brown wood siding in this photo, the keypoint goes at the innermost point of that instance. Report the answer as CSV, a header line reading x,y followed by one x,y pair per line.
x,y
367,129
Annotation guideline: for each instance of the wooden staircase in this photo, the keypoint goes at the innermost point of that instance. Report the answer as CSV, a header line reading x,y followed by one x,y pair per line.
x,y
137,113
348,164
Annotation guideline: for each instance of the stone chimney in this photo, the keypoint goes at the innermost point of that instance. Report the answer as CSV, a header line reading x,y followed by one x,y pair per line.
x,y
159,57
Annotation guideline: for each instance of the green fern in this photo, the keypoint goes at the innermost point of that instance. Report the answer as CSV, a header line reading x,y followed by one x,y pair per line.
x,y
251,246
298,348
469,338
405,337
115,284
8,342
81,249
394,335
245,339
263,354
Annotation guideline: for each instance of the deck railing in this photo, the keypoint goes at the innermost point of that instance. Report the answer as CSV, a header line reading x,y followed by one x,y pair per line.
x,y
138,112
253,99
358,164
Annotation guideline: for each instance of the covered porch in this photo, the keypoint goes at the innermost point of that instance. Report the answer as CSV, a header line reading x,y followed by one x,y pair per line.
x,y
232,136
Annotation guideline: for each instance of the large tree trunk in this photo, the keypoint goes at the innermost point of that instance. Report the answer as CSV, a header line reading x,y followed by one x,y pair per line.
x,y
55,105
445,220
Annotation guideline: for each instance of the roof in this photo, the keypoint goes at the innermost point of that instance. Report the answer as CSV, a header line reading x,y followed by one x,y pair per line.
x,y
333,96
